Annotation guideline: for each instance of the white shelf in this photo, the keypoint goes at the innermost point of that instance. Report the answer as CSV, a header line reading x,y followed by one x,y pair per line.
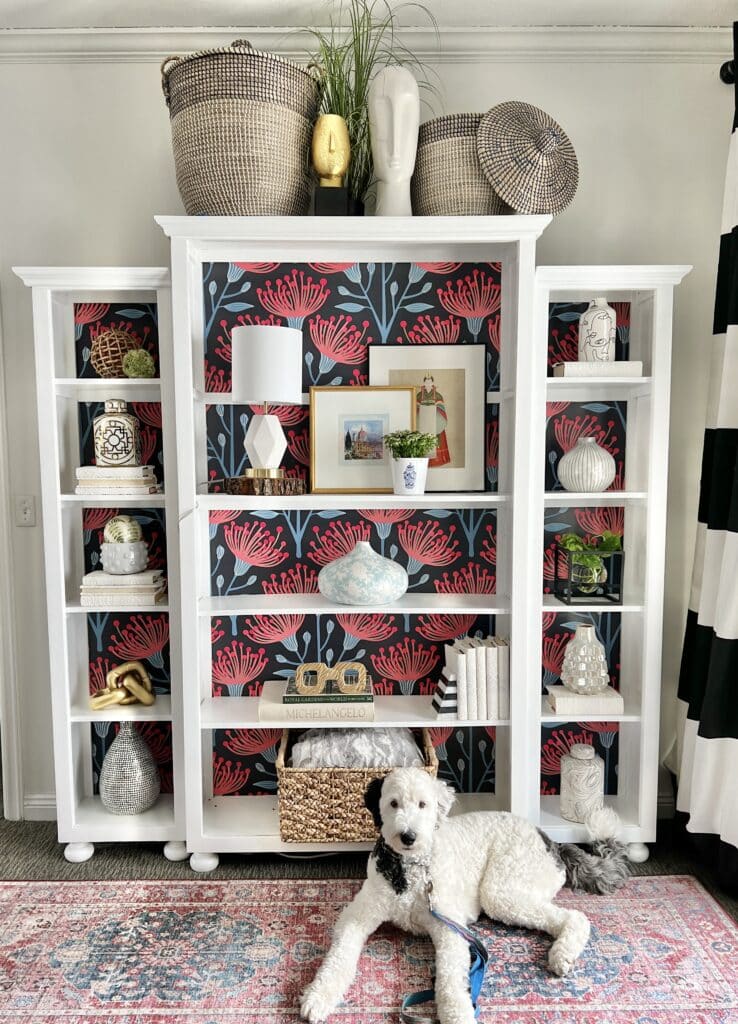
x,y
631,714
316,604
596,389
244,824
397,710
154,825
227,398
343,502
585,499
563,831
161,711
139,389
110,501
552,604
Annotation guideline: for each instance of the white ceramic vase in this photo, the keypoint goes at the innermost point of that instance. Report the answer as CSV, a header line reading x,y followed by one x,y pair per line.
x,y
597,333
586,467
125,557
584,669
582,783
409,475
362,577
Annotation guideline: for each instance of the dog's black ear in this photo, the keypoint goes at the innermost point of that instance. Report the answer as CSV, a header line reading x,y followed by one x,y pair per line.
x,y
371,800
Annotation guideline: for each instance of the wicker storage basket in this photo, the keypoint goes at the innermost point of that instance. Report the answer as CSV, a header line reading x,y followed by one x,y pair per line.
x,y
241,129
318,805
448,179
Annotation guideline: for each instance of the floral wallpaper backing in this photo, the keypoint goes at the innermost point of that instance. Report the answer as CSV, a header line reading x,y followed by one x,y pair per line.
x,y
342,309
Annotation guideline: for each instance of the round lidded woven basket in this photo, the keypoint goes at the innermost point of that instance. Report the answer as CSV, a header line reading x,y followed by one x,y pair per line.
x,y
448,180
242,124
109,349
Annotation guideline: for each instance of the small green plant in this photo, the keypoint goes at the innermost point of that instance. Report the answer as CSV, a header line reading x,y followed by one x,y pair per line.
x,y
410,444
588,566
138,363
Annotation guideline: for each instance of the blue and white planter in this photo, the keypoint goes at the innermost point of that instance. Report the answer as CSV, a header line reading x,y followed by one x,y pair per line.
x,y
409,475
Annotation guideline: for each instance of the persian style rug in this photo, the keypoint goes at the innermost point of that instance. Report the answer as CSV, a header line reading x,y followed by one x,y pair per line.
x,y
208,952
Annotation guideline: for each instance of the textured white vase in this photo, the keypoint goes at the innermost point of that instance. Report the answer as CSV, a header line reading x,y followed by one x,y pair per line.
x,y
409,475
362,577
582,783
124,558
584,669
587,467
597,333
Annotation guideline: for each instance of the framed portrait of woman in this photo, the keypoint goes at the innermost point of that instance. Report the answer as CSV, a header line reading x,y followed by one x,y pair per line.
x,y
450,382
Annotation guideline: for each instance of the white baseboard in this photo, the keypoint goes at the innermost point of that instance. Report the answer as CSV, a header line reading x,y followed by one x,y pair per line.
x,y
39,807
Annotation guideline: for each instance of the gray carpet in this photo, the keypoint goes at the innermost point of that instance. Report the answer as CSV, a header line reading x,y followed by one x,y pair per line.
x,y
30,851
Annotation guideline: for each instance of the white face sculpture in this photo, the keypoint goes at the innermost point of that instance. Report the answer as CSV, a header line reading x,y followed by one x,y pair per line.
x,y
394,117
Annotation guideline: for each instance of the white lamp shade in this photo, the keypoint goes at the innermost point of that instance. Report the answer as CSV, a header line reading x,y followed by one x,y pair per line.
x,y
266,364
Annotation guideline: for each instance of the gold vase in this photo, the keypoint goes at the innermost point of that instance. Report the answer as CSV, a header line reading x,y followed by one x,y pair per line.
x,y
331,150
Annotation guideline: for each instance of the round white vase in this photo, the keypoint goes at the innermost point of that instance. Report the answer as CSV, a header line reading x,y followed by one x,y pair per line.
x,y
582,783
584,669
124,558
362,577
587,467
597,331
409,475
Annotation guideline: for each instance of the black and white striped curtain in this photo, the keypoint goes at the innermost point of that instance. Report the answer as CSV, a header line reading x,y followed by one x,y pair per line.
x,y
708,683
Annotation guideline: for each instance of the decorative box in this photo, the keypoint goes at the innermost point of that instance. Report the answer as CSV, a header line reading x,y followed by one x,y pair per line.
x,y
318,805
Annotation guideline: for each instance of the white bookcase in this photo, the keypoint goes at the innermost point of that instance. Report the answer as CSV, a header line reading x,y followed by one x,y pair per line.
x,y
82,820
218,824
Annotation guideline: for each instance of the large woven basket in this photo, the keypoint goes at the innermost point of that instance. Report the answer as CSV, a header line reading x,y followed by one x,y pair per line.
x,y
318,805
448,180
241,129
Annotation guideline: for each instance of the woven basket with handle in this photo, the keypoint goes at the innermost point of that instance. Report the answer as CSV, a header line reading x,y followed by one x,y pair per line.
x,y
448,180
318,805
242,122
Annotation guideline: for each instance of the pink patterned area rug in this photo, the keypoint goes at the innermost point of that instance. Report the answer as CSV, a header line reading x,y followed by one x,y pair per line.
x,y
208,952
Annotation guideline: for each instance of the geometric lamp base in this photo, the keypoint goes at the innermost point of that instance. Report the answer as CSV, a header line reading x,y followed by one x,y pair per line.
x,y
265,445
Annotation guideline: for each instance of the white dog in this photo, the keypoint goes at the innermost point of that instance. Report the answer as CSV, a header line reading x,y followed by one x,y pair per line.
x,y
487,861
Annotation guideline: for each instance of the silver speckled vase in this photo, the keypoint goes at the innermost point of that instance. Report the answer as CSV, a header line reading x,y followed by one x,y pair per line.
x,y
586,467
129,778
582,782
584,669
362,577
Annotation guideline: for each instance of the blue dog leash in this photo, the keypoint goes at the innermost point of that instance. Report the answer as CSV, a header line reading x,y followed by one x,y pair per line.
x,y
478,965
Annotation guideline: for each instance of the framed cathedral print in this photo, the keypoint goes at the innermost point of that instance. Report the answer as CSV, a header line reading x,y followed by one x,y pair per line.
x,y
450,382
347,428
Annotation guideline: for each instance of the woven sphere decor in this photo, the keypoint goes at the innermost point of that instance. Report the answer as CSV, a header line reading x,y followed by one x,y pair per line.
x,y
527,158
242,125
109,349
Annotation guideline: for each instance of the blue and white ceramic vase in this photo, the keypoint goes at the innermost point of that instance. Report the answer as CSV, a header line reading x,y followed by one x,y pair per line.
x,y
362,577
409,475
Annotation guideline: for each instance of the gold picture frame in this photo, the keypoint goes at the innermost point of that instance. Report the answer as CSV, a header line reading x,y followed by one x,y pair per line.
x,y
347,425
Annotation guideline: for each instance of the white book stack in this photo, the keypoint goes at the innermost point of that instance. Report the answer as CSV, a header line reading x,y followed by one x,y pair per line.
x,y
620,368
132,590
565,702
123,481
273,709
481,670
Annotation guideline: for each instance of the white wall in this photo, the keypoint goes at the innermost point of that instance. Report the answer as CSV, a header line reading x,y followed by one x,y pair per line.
x,y
87,163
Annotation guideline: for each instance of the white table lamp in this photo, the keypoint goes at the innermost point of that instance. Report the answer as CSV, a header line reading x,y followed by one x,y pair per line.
x,y
266,364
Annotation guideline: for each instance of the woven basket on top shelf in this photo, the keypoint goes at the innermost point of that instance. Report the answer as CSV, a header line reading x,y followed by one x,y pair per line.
x,y
448,180
242,123
109,349
318,805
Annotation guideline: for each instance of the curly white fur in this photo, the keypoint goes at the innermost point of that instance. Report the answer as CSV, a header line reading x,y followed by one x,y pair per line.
x,y
494,862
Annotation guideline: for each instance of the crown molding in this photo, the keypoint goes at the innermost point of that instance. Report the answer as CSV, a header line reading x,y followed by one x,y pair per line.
x,y
452,45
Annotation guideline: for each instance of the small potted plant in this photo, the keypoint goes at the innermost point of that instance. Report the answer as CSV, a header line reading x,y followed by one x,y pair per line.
x,y
581,567
410,451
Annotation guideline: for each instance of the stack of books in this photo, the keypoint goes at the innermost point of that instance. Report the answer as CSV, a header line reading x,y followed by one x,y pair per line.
x,y
479,669
110,481
620,368
567,702
133,590
280,702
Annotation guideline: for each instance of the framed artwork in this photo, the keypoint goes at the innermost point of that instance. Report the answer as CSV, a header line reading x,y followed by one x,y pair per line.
x,y
347,428
450,383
